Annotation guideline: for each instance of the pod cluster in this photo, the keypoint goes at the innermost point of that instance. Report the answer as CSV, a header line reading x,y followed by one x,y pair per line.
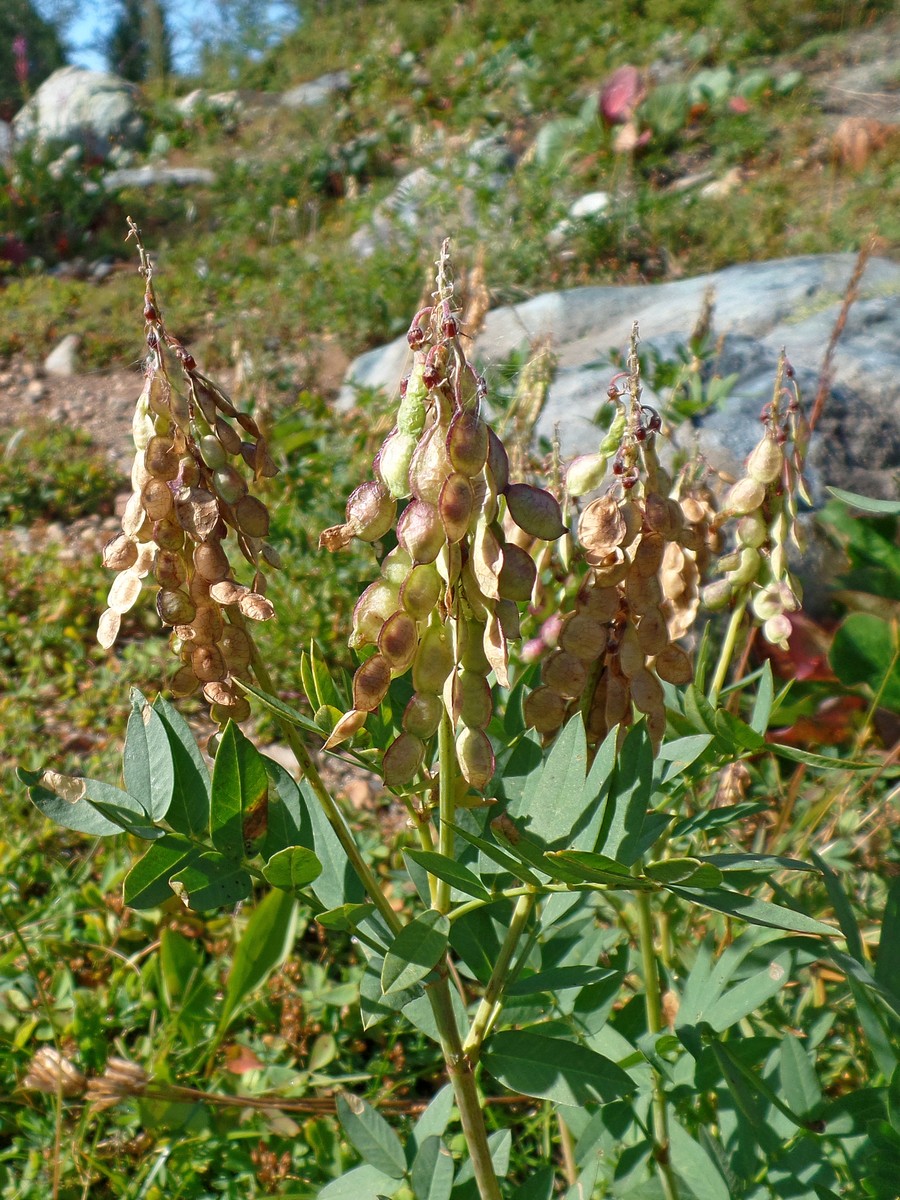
x,y
446,602
763,504
196,458
639,596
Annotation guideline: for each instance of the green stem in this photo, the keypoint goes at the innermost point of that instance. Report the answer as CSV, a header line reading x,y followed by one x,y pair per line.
x,y
653,1002
726,654
461,1071
446,806
485,1014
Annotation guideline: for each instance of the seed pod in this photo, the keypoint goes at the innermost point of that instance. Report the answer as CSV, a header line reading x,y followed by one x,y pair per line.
x,y
370,512
544,710
495,649
370,683
674,666
535,511
197,511
208,664
184,682
476,757
430,465
420,531
507,614
631,656
226,591
211,561
585,473
394,461
229,484
206,628
168,535
745,496
517,574
227,435
777,630
256,607
397,642
648,555
156,498
610,569
751,530
600,603
422,715
487,559
411,411
747,569
766,461
108,627
119,552
473,657
642,591
235,645
584,637
349,725
375,605
456,503
564,673
135,522
467,443
396,566
212,452
174,606
498,462
252,517
169,569
472,700
618,701
124,591
433,661
421,591
716,595
601,527
402,760
161,458
188,472
646,692
139,473
653,633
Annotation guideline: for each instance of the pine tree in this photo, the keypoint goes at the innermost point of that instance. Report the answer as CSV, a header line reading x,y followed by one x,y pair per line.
x,y
139,47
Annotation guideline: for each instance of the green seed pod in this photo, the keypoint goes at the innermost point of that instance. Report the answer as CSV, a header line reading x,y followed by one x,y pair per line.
x,y
375,605
517,574
715,596
421,591
229,484
396,566
467,443
422,715
472,700
174,606
212,452
169,569
748,568
433,661
167,535
402,760
535,511
411,412
498,462
565,674
370,512
766,461
610,443
473,657
397,642
252,517
507,614
476,758
420,531
751,530
456,504
370,683
430,466
394,460
544,710
585,473
744,497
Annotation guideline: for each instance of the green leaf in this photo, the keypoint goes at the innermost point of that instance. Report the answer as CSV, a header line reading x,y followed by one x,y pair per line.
x,y
715,818
292,869
499,1145
86,805
338,884
371,1136
887,964
553,1069
595,793
551,802
493,852
763,863
682,752
698,710
346,916
189,810
558,979
240,788
415,951
451,872
842,908
265,943
211,881
735,733
750,994
362,1183
694,1166
288,822
799,1085
623,819
432,1122
821,762
865,650
755,912
538,1186
279,708
147,759
147,883
431,1176
673,870
594,868
765,696
869,504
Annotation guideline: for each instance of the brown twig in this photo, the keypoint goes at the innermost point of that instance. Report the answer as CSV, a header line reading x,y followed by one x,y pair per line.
x,y
851,295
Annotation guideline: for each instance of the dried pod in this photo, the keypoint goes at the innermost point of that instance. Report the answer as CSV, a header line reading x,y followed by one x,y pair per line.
x,y
430,465
125,590
467,443
494,642
227,435
618,700
456,503
646,692
601,527
168,535
252,517
642,591
184,682
255,607
631,656
108,627
370,683
584,637
517,574
397,642
433,661
197,511
169,570
600,603
422,715
375,605
188,473
119,552
211,561
565,674
402,760
156,498
766,461
206,628
498,462
476,757
487,559
544,710
609,569
744,497
135,522
208,664
653,632
420,531
394,461
674,666
421,590
648,554
236,647
535,511
472,700
226,591
174,606
370,512
161,458
349,725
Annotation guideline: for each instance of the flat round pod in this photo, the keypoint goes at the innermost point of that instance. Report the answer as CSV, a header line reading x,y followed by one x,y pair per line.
x,y
225,591
370,511
653,632
124,591
517,574
609,569
207,626
174,606
467,443
161,458
430,465
473,657
256,607
169,569
564,673
168,534
108,627
398,641
135,522
252,517
421,591
600,603
208,664
370,683
402,760
476,757
119,552
433,661
674,666
157,499
211,561
646,692
535,511
497,462
396,566
601,527
235,645
229,484
544,710
375,605
507,613
197,512
456,504
422,715
648,554
584,637
631,656
184,682
420,531
473,703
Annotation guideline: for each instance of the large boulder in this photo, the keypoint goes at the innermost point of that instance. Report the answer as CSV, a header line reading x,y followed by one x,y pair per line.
x,y
90,109
759,307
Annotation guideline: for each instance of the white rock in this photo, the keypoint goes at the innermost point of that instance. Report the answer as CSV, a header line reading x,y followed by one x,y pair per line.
x,y
62,359
317,91
145,177
90,109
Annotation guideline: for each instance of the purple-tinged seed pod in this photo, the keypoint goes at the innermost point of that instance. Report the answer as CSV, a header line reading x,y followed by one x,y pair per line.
x,y
535,511
498,462
402,760
398,641
433,661
349,725
370,511
430,465
508,615
174,606
544,710
422,715
435,370
188,473
421,591
372,609
208,664
476,758
420,531
211,561
467,443
456,504
564,673
370,683
227,435
472,700
517,574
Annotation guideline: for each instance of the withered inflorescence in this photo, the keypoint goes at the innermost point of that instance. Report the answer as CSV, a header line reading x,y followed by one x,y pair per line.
x,y
196,458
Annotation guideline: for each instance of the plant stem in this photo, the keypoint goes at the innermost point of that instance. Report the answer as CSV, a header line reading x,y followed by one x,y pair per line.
x,y
333,814
462,1076
727,652
653,1004
446,805
486,1011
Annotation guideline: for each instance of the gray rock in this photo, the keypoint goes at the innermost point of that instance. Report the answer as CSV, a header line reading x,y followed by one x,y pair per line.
x,y
90,109
759,307
7,141
63,358
145,177
317,91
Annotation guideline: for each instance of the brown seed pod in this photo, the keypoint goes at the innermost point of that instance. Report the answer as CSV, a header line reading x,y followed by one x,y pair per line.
x,y
184,682
601,527
211,561
674,666
648,554
397,642
119,553
252,517
599,603
642,591
653,633
467,443
456,503
517,574
472,700
402,760
646,692
370,683
135,522
197,511
174,606
565,674
535,511
421,591
495,649
370,511
161,458
170,570
225,591
420,531
498,462
256,607
487,559
544,710
422,715
609,569
433,661
507,613
208,664
430,465
631,656
618,700
349,725
582,636
156,498
476,757
235,645
206,628
168,535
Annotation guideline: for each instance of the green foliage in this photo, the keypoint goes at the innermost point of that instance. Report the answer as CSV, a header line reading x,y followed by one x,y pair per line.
x,y
40,54
51,471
